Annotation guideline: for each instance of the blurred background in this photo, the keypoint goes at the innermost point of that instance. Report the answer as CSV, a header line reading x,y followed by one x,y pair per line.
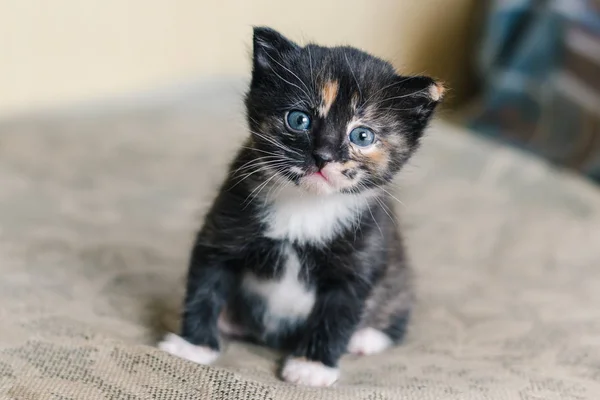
x,y
523,71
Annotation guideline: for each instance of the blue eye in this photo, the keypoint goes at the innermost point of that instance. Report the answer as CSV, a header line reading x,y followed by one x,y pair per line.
x,y
362,137
298,121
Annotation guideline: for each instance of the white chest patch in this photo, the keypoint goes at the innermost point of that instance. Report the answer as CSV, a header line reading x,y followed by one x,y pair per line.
x,y
286,297
305,218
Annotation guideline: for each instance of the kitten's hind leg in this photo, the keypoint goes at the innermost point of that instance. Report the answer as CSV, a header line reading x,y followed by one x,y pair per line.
x,y
372,340
367,341
387,313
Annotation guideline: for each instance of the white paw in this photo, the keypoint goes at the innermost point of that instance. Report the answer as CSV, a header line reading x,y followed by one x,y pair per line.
x,y
180,347
369,341
309,373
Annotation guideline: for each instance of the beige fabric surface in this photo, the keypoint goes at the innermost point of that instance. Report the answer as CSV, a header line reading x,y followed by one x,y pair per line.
x,y
97,213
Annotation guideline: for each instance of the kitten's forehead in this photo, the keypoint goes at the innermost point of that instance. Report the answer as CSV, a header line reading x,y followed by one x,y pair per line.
x,y
342,64
343,99
344,84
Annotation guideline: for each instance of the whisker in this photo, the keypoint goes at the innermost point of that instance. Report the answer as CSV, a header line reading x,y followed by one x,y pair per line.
x,y
402,109
276,143
384,208
275,185
360,214
405,95
259,161
261,151
374,220
248,200
284,184
266,165
260,169
254,161
382,188
392,196
259,188
280,184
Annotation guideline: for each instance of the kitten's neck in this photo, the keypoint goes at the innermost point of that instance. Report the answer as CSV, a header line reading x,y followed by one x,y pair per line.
x,y
296,215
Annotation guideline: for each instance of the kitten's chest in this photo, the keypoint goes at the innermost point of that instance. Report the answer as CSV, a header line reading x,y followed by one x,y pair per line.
x,y
302,218
286,296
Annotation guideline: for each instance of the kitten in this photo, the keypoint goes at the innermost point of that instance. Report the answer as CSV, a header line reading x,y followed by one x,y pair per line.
x,y
300,250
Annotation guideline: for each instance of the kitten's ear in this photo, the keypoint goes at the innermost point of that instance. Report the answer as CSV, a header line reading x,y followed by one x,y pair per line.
x,y
270,46
414,98
419,90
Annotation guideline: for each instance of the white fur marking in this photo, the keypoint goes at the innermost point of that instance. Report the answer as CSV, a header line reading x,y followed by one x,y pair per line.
x,y
436,91
303,217
181,348
286,297
309,373
369,341
296,170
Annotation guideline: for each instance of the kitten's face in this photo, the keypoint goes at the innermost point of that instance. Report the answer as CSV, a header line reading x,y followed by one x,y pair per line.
x,y
333,119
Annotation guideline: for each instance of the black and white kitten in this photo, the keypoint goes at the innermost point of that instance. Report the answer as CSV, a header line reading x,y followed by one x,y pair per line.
x,y
300,250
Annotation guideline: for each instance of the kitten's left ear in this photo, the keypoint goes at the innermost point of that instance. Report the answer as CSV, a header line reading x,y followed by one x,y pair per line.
x,y
419,89
270,46
415,97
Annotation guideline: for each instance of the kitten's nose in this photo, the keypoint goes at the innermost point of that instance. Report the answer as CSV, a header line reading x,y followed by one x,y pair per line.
x,y
322,157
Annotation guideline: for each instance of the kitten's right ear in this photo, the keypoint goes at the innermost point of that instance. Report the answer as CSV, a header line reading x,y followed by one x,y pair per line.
x,y
270,46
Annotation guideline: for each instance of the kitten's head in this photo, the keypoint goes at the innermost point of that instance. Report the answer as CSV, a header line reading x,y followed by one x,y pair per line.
x,y
333,119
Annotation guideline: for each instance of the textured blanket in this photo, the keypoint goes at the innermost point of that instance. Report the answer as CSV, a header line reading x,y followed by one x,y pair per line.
x,y
97,214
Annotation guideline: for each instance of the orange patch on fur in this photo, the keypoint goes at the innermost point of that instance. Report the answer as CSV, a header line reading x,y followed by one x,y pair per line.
x,y
378,156
349,164
329,93
436,91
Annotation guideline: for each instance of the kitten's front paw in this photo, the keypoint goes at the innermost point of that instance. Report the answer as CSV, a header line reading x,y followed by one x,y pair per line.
x,y
309,373
369,341
180,347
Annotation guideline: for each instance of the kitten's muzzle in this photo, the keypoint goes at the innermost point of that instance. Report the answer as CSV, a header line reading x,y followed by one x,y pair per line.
x,y
322,157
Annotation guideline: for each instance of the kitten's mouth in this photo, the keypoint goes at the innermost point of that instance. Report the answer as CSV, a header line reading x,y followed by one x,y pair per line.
x,y
320,174
318,183
326,180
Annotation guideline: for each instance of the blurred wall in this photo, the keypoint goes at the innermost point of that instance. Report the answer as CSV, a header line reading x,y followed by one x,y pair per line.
x,y
64,51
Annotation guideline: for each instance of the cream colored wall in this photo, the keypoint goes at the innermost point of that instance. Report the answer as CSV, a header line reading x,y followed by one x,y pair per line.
x,y
64,51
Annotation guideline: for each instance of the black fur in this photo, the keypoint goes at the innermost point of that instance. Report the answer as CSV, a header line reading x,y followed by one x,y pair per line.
x,y
359,274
